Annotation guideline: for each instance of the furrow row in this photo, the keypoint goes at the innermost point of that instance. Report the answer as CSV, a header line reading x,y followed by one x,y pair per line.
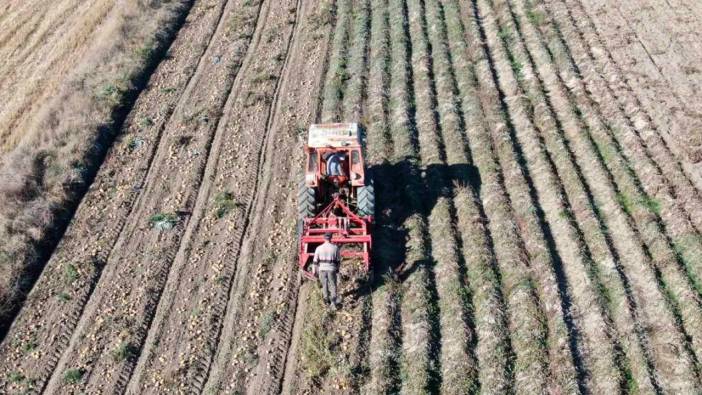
x,y
570,115
75,269
121,311
385,336
202,300
604,270
663,133
337,74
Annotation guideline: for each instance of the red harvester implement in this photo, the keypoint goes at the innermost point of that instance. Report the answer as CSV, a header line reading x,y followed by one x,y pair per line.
x,y
338,200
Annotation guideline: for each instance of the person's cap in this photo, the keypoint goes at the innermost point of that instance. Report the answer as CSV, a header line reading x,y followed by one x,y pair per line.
x,y
327,236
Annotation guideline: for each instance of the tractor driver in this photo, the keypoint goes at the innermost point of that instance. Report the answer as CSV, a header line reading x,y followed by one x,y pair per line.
x,y
326,261
334,167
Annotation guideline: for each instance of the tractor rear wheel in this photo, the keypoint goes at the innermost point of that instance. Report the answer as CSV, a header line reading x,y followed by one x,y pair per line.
x,y
366,200
306,203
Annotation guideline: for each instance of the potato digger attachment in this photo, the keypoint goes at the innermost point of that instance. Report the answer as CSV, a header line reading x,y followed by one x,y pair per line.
x,y
336,195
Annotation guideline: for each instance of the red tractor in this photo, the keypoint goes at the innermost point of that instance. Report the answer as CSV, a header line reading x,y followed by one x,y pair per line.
x,y
336,195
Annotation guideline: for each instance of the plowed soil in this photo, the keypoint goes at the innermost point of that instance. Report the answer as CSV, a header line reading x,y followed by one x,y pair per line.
x,y
538,180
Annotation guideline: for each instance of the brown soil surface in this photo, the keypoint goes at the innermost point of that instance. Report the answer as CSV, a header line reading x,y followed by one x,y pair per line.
x,y
539,210
656,46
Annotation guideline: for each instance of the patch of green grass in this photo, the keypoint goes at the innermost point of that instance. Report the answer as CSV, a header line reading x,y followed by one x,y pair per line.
x,y
163,221
324,15
340,77
29,346
564,214
264,77
318,344
168,90
5,257
651,204
271,36
266,324
123,352
108,90
64,296
253,98
146,51
250,358
145,122
225,203
631,384
79,169
238,26
607,152
73,376
505,34
15,377
111,93
536,17
70,273
517,68
625,202
192,116
135,143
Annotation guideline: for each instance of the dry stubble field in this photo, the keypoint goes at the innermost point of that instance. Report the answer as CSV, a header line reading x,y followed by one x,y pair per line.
x,y
537,165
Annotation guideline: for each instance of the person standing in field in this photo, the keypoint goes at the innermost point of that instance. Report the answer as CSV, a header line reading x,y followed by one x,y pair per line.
x,y
327,258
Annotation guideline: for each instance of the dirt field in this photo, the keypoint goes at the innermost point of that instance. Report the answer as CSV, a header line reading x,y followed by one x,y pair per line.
x,y
40,43
537,169
70,87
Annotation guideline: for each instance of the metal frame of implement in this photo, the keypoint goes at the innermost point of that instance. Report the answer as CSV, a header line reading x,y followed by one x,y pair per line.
x,y
347,230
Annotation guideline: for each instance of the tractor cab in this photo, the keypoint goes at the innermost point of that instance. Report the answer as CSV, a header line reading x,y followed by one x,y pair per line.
x,y
334,154
334,161
335,195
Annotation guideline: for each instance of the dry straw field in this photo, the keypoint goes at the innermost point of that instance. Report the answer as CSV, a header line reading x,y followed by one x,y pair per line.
x,y
538,166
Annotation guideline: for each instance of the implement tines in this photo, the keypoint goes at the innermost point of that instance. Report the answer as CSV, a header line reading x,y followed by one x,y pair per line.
x,y
347,229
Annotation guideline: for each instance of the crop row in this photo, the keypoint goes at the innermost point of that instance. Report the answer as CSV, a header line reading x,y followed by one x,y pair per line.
x,y
458,367
416,325
614,93
677,285
580,215
343,99
385,336
355,92
590,112
656,182
572,116
337,74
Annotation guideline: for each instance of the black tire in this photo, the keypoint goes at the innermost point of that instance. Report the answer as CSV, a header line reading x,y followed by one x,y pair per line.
x,y
366,200
306,205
